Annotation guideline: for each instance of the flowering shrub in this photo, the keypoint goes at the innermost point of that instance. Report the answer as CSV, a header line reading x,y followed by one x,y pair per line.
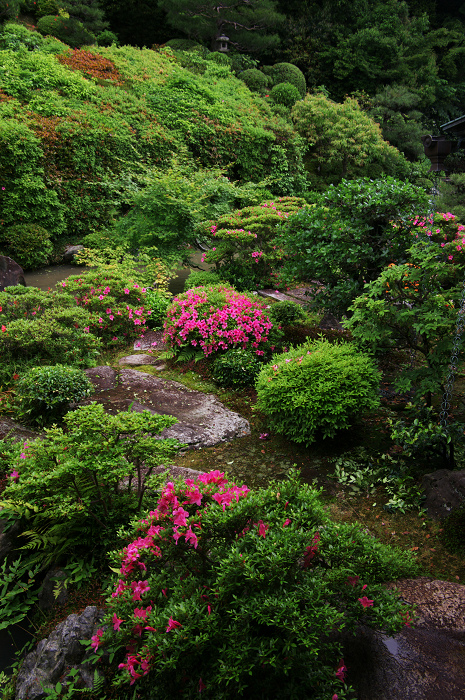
x,y
245,251
216,318
234,593
413,306
317,388
444,229
115,303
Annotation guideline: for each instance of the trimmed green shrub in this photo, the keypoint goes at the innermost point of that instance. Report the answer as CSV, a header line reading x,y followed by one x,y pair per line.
x,y
285,313
288,73
156,303
202,278
255,79
244,596
28,244
184,45
236,368
317,388
14,36
47,7
44,394
285,94
68,30
107,38
221,58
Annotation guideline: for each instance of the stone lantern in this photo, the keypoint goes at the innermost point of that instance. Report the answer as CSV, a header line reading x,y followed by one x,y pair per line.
x,y
222,43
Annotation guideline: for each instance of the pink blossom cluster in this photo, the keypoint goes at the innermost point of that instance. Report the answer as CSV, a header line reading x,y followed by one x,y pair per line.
x,y
177,517
237,321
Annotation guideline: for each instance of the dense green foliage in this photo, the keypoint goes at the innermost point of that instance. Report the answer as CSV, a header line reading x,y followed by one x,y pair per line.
x,y
44,394
317,389
237,368
347,236
28,244
285,94
242,597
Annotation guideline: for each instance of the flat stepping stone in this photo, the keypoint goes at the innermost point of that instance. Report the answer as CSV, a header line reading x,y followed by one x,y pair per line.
x,y
135,360
203,420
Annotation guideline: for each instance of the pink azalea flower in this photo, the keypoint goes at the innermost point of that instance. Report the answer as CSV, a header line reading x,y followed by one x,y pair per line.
x,y
286,522
138,588
180,516
172,624
96,640
341,671
202,685
262,528
14,475
365,602
116,622
126,291
353,580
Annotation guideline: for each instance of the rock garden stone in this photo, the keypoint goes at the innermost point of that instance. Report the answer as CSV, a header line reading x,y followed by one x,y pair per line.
x,y
203,421
445,491
54,657
11,273
70,252
422,662
135,360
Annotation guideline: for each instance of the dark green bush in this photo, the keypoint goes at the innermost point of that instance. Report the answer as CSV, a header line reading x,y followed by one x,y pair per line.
x,y
254,79
46,7
236,368
221,58
317,388
107,38
453,534
183,45
202,278
285,313
285,94
288,73
44,394
68,30
28,244
156,302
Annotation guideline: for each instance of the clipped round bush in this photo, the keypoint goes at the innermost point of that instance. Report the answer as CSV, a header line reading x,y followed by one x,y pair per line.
x,y
284,313
107,38
202,278
241,594
254,79
68,30
285,94
46,7
29,245
288,73
156,304
236,368
218,57
184,45
317,388
45,393
216,318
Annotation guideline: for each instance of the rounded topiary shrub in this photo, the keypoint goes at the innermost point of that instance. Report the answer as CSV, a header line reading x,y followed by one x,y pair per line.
x,y
44,394
255,79
236,368
285,313
202,278
68,30
28,244
184,45
317,388
46,7
288,73
216,318
285,94
221,58
107,38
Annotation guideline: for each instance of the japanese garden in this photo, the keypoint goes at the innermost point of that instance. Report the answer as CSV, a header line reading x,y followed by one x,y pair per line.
x,y
232,309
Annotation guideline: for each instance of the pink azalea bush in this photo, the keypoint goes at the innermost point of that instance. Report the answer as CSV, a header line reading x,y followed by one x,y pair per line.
x,y
216,318
444,229
235,593
116,303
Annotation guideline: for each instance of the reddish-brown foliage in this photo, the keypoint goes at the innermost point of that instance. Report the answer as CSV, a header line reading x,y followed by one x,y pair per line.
x,y
91,64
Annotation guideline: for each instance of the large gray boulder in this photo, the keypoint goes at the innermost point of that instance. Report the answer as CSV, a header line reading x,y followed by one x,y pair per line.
x,y
444,491
11,273
203,421
422,662
54,657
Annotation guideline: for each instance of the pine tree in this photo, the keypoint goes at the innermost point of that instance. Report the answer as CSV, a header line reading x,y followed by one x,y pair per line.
x,y
247,23
86,12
